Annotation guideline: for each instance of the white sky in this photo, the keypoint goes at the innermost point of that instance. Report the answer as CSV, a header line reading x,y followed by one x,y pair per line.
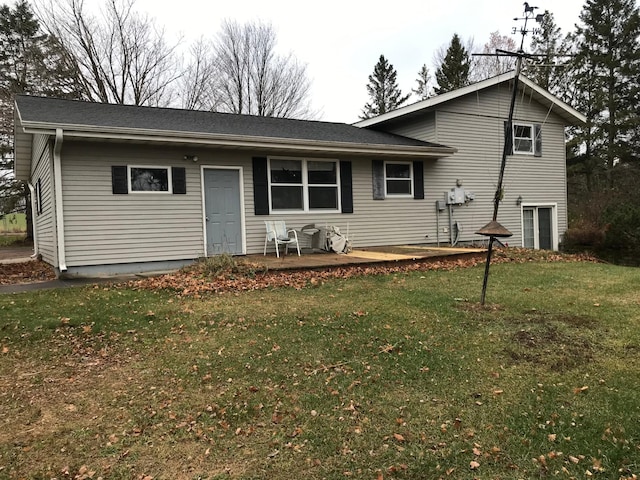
x,y
341,41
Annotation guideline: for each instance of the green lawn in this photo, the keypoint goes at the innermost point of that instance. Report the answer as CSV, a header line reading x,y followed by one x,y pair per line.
x,y
401,376
13,223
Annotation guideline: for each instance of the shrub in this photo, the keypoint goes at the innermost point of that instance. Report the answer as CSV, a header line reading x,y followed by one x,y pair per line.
x,y
583,235
226,265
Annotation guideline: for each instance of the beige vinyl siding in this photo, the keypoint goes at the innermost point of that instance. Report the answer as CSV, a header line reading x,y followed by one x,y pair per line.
x,y
103,228
421,126
475,126
391,221
45,223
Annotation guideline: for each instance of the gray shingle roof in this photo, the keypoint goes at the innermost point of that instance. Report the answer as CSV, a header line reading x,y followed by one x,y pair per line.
x,y
58,113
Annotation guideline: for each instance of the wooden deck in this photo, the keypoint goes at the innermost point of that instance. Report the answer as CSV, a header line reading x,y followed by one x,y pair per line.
x,y
371,255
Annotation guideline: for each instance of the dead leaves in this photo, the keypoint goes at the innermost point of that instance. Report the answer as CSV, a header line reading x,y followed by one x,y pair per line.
x,y
192,282
26,272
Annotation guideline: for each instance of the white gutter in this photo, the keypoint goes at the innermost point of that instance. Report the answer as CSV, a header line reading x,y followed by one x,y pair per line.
x,y
34,230
57,187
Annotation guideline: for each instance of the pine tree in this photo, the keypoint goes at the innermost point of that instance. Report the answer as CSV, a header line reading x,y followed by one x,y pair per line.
x,y
423,90
607,66
549,46
383,90
453,73
30,62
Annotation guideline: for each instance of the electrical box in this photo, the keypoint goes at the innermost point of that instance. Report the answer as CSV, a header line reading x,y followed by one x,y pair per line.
x,y
459,196
440,205
455,196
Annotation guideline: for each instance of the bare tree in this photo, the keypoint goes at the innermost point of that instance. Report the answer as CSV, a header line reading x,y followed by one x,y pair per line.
x,y
253,79
120,57
198,83
493,65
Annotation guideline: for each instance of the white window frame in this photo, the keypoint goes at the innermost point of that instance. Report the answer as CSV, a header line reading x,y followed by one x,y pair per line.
x,y
305,185
536,227
147,192
532,139
410,179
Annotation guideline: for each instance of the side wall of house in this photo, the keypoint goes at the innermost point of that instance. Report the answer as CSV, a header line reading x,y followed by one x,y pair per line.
x,y
44,215
475,126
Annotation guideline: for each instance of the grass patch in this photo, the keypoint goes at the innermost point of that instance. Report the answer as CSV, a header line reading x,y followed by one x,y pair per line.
x,y
399,376
13,240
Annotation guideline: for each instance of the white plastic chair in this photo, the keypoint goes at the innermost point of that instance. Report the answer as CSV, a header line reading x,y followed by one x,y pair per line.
x,y
278,234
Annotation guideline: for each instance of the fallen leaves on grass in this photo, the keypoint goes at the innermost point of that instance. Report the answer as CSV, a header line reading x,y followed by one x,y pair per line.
x,y
194,281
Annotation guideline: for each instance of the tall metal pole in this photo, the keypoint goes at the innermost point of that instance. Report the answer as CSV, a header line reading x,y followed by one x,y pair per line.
x,y
508,132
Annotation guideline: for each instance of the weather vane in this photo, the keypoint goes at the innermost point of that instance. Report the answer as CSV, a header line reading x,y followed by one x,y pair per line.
x,y
528,15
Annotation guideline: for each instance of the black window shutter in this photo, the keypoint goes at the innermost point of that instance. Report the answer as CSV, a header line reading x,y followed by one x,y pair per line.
x,y
377,171
260,186
119,179
508,139
537,132
418,180
346,187
179,179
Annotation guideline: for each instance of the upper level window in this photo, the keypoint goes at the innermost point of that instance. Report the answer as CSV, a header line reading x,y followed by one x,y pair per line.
x,y
398,178
523,138
303,185
150,179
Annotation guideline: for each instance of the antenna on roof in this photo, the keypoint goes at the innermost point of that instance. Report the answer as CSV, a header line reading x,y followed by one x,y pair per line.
x,y
493,229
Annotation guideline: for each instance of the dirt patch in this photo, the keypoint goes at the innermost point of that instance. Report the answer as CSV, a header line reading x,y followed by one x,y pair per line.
x,y
549,346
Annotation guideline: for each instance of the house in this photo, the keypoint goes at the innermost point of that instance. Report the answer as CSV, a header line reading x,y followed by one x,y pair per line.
x,y
121,189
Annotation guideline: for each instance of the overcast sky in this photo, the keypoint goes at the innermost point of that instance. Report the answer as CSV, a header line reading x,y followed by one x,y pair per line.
x,y
341,41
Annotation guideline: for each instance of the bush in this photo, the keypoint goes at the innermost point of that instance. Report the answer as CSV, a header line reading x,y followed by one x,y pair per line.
x,y
582,236
226,265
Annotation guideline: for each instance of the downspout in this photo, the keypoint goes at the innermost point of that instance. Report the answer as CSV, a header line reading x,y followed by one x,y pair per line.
x,y
57,187
34,232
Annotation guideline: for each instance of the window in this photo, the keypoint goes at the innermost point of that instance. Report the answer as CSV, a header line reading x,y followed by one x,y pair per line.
x,y
150,179
303,185
38,197
398,178
523,139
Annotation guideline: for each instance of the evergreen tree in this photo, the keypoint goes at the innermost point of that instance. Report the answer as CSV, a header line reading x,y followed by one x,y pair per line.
x,y
453,73
30,62
423,90
607,66
547,68
383,90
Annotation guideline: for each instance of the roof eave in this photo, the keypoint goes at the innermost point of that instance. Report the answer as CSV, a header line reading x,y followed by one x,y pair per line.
x,y
22,148
240,141
571,115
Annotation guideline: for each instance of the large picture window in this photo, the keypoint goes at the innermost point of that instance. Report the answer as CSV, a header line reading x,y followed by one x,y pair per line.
x,y
303,185
150,179
398,178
